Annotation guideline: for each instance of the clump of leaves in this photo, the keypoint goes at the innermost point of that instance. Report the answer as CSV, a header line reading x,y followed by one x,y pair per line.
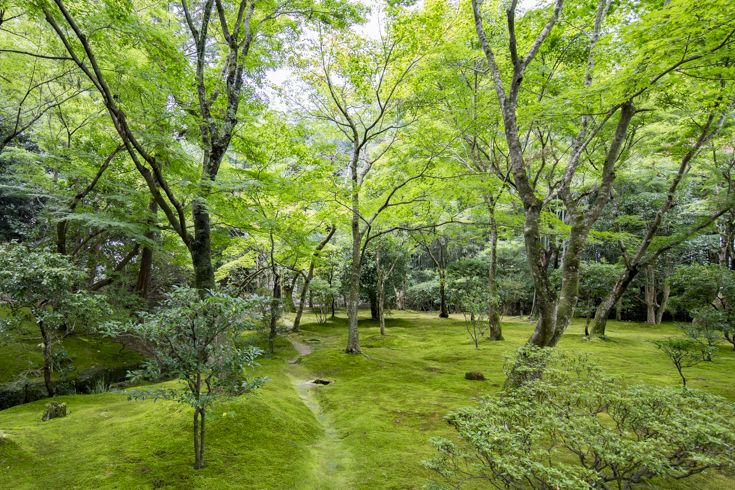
x,y
43,301
684,352
193,338
475,317
323,294
574,427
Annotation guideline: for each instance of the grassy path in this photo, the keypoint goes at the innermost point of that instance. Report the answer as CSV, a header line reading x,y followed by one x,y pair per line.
x,y
332,459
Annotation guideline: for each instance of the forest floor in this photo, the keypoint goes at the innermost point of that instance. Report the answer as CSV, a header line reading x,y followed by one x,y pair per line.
x,y
368,429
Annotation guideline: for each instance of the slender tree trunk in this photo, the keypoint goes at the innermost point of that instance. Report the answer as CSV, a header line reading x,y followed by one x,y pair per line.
x,y
650,294
146,258
632,265
47,368
202,421
618,311
353,337
664,301
443,310
274,316
603,311
493,317
198,461
381,306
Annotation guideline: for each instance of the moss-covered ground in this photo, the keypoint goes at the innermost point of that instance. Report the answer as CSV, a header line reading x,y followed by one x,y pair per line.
x,y
24,353
368,429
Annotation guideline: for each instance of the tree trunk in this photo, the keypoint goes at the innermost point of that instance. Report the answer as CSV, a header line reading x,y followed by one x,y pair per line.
x,y
603,311
353,337
201,248
650,294
198,439
381,306
374,316
570,279
309,276
618,311
288,304
443,310
47,361
493,317
664,301
274,311
61,237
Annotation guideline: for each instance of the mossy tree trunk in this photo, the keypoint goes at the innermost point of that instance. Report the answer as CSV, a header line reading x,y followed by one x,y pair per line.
x,y
493,317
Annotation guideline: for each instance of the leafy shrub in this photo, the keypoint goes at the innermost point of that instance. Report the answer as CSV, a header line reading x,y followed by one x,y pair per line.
x,y
574,427
323,294
193,338
423,296
684,352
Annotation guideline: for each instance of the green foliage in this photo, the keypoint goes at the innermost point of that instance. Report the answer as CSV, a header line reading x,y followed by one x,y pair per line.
x,y
40,295
707,293
575,427
684,352
323,295
194,338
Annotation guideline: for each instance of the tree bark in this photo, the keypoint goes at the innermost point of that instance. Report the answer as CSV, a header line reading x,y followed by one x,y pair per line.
x,y
273,333
373,296
650,294
201,248
146,260
47,360
666,292
288,304
353,337
493,317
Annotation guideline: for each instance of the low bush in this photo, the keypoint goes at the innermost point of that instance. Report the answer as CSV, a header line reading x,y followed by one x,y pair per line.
x,y
571,426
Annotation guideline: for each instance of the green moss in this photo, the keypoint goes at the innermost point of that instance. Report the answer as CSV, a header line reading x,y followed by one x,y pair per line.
x,y
369,429
85,351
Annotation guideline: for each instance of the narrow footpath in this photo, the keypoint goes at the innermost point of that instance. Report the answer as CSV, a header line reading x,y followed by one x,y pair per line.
x,y
332,459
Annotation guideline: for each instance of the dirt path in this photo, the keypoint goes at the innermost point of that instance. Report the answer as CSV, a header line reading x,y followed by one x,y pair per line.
x,y
332,459
304,349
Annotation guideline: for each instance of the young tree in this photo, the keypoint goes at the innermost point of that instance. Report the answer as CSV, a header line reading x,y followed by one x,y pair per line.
x,y
198,341
355,84
683,352
40,291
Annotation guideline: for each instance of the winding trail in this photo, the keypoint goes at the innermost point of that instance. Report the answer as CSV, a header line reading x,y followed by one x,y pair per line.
x,y
332,459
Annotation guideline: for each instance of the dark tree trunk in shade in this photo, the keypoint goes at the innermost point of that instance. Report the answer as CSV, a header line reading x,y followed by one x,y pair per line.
x,y
146,258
